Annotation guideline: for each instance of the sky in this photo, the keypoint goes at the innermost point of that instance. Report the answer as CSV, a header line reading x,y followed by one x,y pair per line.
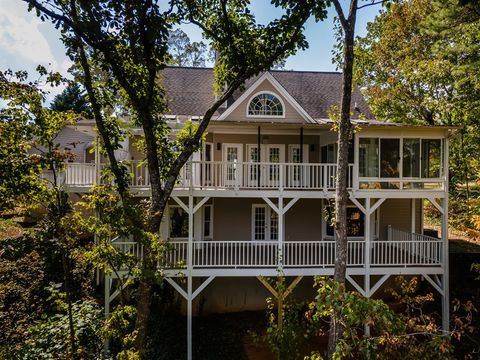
x,y
26,41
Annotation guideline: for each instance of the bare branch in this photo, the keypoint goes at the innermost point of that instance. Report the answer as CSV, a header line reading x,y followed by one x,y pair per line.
x,y
372,4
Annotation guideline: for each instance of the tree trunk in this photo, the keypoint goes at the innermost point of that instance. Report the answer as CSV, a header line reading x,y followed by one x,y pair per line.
x,y
341,195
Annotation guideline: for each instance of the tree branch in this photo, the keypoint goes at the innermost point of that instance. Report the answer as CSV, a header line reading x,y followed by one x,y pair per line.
x,y
340,14
372,4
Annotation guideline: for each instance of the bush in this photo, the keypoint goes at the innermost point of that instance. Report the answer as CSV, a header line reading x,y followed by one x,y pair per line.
x,y
49,338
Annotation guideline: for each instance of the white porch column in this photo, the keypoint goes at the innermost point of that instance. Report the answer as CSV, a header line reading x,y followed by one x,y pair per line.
x,y
446,265
281,233
414,215
368,219
189,277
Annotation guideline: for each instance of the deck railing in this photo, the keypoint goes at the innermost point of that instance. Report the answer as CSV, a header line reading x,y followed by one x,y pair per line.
x,y
421,251
404,248
222,175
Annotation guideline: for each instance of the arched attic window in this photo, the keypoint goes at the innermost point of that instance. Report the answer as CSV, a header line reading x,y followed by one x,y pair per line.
x,y
265,104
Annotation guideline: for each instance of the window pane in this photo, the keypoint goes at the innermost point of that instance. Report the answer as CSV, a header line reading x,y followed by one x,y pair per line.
x,y
368,157
273,225
389,158
411,158
431,158
265,104
351,152
178,223
330,229
207,220
259,226
355,222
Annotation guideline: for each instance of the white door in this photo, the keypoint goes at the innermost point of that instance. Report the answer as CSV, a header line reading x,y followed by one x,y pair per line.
x,y
253,168
207,166
232,158
264,223
298,175
275,154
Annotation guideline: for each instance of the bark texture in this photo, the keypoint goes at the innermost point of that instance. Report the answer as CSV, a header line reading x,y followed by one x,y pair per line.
x,y
344,133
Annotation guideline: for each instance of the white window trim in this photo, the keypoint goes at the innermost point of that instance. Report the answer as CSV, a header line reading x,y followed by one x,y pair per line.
x,y
400,165
268,213
305,152
265,116
211,222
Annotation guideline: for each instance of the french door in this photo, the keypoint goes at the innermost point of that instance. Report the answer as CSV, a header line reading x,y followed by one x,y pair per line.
x,y
267,174
264,223
275,155
207,158
298,175
232,155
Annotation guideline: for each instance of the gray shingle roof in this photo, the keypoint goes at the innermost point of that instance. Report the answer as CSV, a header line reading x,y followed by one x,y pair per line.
x,y
190,91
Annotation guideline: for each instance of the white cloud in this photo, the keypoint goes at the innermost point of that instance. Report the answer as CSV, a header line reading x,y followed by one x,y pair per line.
x,y
21,38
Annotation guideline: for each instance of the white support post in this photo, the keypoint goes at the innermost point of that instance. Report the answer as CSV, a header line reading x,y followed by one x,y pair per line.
x,y
368,219
189,277
281,233
107,294
413,216
445,265
189,318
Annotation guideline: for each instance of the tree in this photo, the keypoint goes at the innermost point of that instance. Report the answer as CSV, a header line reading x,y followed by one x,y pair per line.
x,y
186,53
344,133
418,63
129,41
346,37
73,99
29,124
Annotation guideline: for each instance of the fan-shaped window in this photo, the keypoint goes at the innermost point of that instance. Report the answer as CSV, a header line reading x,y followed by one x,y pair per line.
x,y
265,104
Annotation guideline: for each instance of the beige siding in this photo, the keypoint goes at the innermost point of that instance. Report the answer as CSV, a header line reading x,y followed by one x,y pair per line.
x,y
303,222
286,140
76,141
232,219
240,113
397,213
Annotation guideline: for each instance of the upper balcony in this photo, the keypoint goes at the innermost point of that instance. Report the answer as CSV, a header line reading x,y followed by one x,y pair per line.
x,y
388,162
241,176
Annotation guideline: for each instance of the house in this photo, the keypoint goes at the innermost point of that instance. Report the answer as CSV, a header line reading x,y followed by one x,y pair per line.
x,y
256,200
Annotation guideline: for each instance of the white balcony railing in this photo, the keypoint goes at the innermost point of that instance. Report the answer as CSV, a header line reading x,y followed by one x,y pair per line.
x,y
222,175
421,251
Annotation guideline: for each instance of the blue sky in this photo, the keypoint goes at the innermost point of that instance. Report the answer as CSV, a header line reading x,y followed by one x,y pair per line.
x,y
25,41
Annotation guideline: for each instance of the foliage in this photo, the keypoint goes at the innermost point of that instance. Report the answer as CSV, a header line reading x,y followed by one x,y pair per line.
x,y
286,326
72,99
127,42
27,131
22,294
418,64
119,330
49,338
186,53
410,335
